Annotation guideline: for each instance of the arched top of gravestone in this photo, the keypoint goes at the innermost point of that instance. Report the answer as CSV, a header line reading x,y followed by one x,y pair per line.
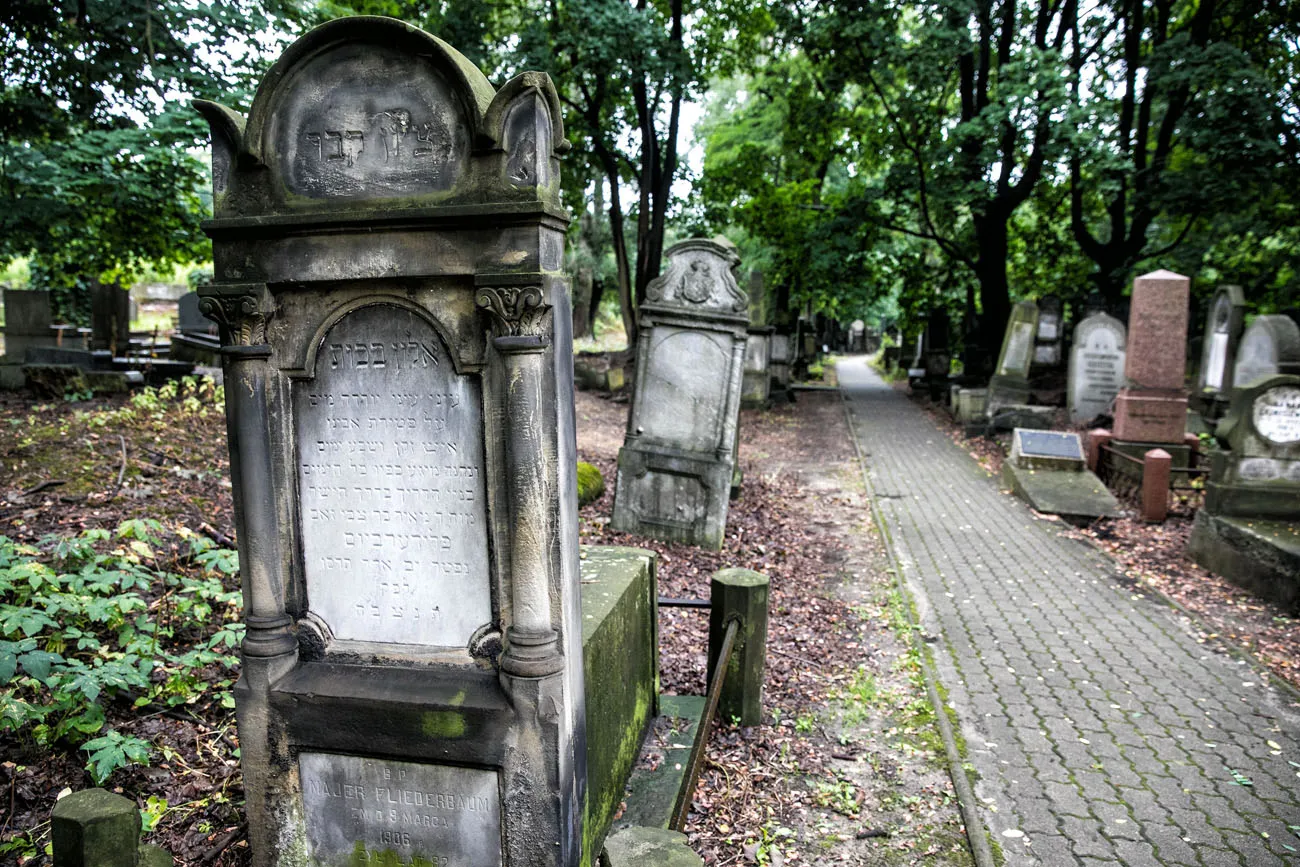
x,y
1100,321
371,108
1270,346
700,279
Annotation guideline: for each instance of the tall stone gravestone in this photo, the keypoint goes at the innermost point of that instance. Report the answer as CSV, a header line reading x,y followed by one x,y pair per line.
x,y
1151,408
1096,370
1047,343
757,381
1223,328
110,318
1010,382
396,337
1270,346
938,355
675,467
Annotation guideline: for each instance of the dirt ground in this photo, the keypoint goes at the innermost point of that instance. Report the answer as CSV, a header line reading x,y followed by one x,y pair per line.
x,y
845,769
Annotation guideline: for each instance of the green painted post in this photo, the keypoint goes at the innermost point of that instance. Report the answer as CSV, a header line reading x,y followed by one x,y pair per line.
x,y
740,594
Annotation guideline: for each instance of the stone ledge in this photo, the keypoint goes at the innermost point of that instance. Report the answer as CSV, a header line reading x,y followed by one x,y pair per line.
x,y
1260,555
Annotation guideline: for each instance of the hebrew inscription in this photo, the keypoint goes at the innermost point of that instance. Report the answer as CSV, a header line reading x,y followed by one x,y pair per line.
x,y
369,126
391,488
372,811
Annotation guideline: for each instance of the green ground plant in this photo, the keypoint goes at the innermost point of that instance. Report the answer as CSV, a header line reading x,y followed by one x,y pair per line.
x,y
94,621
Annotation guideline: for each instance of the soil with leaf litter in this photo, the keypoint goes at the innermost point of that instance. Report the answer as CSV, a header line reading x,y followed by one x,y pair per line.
x,y
116,516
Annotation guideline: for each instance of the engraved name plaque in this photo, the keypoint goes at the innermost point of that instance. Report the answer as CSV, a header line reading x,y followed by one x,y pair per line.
x,y
391,487
1276,414
375,811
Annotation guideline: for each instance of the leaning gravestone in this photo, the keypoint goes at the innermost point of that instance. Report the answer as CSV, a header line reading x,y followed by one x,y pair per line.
x,y
1096,370
1223,328
1010,382
1047,470
1270,346
396,340
675,467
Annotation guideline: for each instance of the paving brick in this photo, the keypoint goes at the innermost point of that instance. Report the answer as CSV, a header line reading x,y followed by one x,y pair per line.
x,y
1050,636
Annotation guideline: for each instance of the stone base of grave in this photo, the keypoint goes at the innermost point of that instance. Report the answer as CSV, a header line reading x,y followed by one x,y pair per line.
x,y
620,663
1009,417
1261,556
12,377
672,496
1274,498
1008,390
1078,496
1150,417
649,847
195,348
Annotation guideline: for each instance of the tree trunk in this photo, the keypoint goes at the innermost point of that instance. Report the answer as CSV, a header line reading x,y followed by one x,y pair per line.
x,y
991,271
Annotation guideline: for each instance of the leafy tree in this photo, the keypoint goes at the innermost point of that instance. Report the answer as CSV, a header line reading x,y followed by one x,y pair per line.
x,y
97,174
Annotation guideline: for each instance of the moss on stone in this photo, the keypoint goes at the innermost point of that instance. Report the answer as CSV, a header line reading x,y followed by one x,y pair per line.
x,y
591,484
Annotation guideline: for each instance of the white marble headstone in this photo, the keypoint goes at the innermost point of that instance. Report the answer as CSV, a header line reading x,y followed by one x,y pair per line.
x,y
1096,366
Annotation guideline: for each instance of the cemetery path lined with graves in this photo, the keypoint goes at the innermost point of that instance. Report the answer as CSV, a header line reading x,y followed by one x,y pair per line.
x,y
1100,731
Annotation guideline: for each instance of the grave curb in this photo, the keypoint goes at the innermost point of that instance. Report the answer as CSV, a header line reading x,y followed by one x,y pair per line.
x,y
978,842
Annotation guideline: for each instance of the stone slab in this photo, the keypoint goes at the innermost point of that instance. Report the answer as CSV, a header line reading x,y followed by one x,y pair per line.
x,y
1262,556
1076,495
1150,417
649,847
659,778
380,808
391,485
620,660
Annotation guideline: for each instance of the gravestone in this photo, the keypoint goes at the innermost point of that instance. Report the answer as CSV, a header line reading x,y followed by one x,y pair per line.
x,y
756,386
1047,341
857,336
387,243
1047,469
189,318
1270,346
1010,382
28,322
1096,370
1223,326
676,465
1249,528
110,318
938,355
1152,405
916,358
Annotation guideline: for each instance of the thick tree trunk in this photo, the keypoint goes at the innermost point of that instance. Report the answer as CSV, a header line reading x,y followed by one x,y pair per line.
x,y
991,271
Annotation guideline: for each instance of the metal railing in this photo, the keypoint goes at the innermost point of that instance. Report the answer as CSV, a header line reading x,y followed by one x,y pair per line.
x,y
687,794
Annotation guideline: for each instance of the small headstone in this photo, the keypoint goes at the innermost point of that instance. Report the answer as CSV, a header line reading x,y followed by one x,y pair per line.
x,y
1047,344
676,465
1270,346
1010,382
1096,370
189,319
757,381
28,324
1152,406
110,318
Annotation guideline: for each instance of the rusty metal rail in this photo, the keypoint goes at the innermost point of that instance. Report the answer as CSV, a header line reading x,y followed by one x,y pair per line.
x,y
687,794
674,602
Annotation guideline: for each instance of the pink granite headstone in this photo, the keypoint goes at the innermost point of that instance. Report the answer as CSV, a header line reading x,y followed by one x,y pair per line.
x,y
1152,406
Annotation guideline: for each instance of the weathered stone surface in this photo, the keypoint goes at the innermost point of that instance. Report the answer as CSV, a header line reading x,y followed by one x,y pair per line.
x,y
1076,495
656,785
27,313
1270,346
1152,406
756,384
110,318
1261,555
95,828
648,847
1010,382
621,663
1047,341
397,352
1223,327
1256,472
677,461
1096,370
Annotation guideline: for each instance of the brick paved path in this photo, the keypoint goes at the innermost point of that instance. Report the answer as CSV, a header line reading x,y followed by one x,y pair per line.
x,y
1101,732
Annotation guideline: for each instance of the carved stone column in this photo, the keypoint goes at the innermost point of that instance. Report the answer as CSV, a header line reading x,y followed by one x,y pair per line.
x,y
245,353
521,325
